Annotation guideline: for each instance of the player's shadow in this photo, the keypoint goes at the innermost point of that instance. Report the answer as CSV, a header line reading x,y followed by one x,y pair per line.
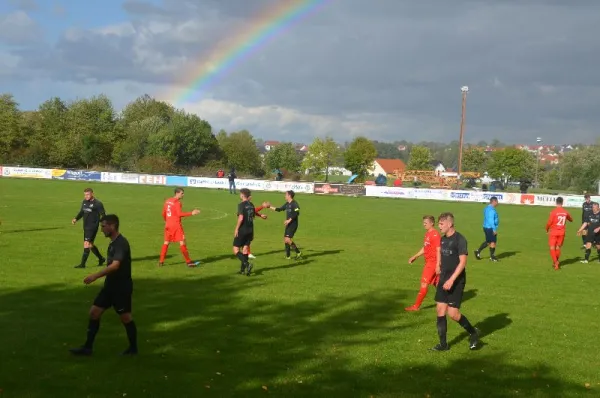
x,y
503,255
319,253
152,257
20,231
487,327
230,255
291,264
571,261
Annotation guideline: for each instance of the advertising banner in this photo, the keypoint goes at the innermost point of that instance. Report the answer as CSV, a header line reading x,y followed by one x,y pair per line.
x,y
545,200
355,189
327,189
282,186
463,196
26,172
207,182
432,194
389,192
177,181
258,185
149,179
1,171
76,175
123,178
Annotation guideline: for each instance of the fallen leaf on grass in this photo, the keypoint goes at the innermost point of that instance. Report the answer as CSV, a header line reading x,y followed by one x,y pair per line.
x,y
587,385
264,388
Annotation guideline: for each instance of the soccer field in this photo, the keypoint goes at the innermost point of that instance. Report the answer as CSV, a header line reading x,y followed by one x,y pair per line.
x,y
331,325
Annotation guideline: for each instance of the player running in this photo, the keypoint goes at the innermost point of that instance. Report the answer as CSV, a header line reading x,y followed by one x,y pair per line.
x,y
172,214
433,255
92,211
591,226
555,227
292,211
265,205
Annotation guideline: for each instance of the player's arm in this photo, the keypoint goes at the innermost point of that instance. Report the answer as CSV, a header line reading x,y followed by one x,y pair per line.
x,y
295,211
583,226
257,212
278,209
550,222
496,221
164,212
101,211
438,267
569,217
417,255
79,215
462,256
114,265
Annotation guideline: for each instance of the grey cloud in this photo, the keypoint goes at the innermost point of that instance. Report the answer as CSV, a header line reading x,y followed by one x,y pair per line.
x,y
526,62
17,28
25,5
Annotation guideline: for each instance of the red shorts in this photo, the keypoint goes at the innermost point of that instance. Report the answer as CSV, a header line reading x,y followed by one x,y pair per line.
x,y
174,234
429,276
556,240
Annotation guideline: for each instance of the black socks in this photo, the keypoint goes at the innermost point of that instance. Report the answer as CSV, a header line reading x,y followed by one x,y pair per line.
x,y
483,246
293,246
85,255
96,252
587,253
492,252
131,330
442,327
464,322
93,327
287,250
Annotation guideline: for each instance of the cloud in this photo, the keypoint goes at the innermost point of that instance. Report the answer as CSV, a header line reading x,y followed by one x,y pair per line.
x,y
25,5
390,71
17,28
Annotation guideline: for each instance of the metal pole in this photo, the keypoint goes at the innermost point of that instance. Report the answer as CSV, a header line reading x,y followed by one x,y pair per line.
x,y
464,90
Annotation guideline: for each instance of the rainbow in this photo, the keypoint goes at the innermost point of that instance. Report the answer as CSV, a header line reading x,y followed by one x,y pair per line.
x,y
267,25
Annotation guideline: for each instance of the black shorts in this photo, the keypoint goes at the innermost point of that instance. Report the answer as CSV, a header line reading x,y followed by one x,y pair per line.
x,y
452,297
591,237
119,299
290,230
89,234
489,235
243,239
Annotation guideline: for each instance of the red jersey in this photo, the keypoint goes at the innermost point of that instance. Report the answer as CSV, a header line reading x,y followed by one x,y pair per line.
x,y
173,211
431,244
557,221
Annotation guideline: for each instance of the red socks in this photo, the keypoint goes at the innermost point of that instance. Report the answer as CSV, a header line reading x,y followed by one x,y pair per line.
x,y
557,251
163,253
421,296
553,255
185,253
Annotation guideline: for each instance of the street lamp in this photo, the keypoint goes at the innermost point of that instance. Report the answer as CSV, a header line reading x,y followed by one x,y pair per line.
x,y
537,159
464,90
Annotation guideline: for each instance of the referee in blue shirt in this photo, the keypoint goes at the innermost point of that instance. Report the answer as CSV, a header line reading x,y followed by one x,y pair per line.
x,y
490,229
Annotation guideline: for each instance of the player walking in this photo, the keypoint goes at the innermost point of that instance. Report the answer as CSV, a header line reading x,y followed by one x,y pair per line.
x,y
117,291
292,212
591,226
92,211
432,253
244,231
172,214
490,229
453,278
555,227
586,210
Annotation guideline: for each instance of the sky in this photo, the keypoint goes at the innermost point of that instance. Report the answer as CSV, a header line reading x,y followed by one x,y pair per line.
x,y
384,69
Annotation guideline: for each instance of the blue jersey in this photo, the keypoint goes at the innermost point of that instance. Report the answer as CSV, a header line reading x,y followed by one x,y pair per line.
x,y
490,218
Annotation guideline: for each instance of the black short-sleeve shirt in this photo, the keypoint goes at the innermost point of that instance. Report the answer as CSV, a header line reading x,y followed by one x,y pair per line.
x,y
593,221
246,209
452,247
119,250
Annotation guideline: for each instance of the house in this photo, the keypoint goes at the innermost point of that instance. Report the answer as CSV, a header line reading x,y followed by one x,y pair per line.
x,y
387,167
271,144
438,167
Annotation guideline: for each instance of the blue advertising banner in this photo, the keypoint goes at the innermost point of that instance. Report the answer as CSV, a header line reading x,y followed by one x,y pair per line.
x,y
177,181
76,175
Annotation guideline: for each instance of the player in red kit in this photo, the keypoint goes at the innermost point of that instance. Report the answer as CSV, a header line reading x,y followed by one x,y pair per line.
x,y
265,205
172,214
431,250
555,227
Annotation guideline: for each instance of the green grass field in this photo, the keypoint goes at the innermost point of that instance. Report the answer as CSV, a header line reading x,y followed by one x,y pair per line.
x,y
332,325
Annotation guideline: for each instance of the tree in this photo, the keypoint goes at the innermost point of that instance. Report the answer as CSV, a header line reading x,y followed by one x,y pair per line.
x,y
387,150
512,164
359,157
240,151
11,133
580,168
283,156
474,160
420,159
145,107
321,155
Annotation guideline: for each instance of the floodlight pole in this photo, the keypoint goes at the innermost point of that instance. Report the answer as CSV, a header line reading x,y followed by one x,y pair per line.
x,y
537,160
464,90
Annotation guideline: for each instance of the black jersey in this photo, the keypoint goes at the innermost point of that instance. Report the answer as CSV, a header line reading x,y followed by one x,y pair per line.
x,y
92,212
452,247
292,210
247,211
119,250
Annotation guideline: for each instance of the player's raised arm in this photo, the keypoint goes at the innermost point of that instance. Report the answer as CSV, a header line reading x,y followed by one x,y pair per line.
x,y
281,208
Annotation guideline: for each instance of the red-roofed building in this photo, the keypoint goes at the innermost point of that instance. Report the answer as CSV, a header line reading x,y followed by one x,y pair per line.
x,y
271,144
387,166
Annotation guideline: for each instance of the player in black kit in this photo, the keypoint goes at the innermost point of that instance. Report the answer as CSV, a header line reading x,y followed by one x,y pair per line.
x,y
92,211
451,286
117,290
591,225
244,231
586,210
292,212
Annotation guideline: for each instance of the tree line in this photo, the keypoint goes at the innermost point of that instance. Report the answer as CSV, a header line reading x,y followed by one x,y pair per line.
x,y
152,136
